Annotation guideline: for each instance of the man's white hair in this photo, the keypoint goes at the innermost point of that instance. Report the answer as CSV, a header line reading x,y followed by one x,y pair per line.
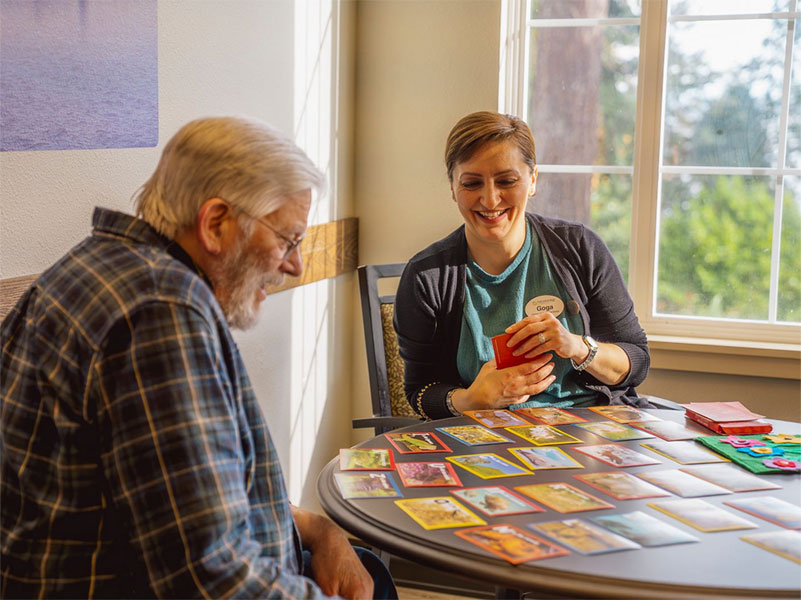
x,y
246,162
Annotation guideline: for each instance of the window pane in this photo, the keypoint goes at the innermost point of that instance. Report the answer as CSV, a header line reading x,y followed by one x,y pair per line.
x,y
579,9
790,263
583,94
794,126
715,237
723,93
603,202
726,7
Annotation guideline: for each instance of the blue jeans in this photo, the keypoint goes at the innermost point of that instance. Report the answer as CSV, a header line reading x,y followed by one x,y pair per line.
x,y
383,585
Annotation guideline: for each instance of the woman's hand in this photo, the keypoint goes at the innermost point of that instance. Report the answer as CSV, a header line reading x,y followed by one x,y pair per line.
x,y
545,333
494,388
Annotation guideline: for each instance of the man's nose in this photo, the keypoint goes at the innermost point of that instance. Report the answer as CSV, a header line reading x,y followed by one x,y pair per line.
x,y
293,264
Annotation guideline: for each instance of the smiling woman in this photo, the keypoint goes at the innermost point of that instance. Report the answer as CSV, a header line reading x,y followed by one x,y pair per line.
x,y
496,275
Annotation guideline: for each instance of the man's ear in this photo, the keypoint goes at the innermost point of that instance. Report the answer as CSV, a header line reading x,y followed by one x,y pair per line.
x,y
213,223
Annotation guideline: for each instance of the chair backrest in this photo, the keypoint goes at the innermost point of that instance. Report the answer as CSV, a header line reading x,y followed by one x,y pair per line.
x,y
384,364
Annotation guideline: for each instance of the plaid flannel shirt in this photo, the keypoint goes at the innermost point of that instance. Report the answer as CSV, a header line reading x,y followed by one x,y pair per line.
x,y
135,459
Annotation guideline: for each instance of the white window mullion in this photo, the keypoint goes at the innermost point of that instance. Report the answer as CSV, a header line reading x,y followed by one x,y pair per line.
x,y
647,153
513,68
775,253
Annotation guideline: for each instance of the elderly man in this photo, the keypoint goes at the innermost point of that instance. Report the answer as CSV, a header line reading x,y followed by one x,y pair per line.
x,y
135,459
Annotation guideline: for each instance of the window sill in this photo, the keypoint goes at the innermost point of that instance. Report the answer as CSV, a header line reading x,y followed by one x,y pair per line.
x,y
704,355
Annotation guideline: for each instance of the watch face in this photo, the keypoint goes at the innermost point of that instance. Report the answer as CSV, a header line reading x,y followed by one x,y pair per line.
x,y
590,342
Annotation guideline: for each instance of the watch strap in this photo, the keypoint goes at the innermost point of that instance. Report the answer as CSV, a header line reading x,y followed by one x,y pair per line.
x,y
593,351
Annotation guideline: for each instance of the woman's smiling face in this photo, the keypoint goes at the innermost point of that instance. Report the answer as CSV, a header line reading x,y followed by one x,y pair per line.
x,y
491,189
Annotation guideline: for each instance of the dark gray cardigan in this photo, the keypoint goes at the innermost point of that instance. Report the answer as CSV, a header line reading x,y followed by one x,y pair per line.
x,y
430,297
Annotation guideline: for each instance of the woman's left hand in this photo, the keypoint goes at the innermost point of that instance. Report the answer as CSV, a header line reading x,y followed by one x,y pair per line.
x,y
545,333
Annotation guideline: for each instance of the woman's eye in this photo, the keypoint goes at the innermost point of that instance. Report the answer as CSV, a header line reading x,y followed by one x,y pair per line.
x,y
507,182
471,185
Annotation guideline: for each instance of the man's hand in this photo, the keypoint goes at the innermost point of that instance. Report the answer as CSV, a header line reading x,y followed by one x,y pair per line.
x,y
335,566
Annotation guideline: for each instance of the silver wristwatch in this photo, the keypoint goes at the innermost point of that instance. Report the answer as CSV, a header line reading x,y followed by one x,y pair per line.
x,y
593,346
449,403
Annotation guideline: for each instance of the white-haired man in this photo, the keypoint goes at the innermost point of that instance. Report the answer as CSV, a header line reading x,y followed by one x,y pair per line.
x,y
135,459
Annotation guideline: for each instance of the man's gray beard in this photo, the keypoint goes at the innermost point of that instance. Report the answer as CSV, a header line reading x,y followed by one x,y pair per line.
x,y
238,278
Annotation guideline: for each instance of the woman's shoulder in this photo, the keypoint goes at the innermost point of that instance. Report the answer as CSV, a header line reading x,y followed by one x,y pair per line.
x,y
571,232
442,252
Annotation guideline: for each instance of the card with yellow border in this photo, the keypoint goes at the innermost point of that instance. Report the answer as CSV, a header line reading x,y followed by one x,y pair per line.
x,y
488,466
543,435
439,512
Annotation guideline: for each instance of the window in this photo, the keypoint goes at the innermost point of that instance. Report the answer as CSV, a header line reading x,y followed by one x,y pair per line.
x,y
673,129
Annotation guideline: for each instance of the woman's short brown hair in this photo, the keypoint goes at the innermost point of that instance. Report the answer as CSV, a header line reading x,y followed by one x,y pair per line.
x,y
479,128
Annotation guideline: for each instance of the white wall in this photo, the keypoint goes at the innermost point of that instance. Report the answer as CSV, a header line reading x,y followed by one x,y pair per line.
x,y
224,57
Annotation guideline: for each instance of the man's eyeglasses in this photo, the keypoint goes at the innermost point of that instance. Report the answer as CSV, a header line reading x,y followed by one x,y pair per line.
x,y
290,243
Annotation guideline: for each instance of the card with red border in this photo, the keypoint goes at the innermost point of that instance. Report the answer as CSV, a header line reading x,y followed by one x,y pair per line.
x,y
774,510
701,515
550,415
496,501
623,414
427,474
366,459
668,430
510,543
730,477
621,485
495,417
563,497
417,442
617,455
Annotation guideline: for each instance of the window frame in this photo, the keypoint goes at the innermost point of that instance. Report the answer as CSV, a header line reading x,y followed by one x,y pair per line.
x,y
704,333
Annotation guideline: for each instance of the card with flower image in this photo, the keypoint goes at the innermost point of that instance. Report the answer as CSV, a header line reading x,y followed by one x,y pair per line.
x,y
730,477
623,414
543,435
438,512
621,485
414,442
584,537
511,543
427,474
497,417
474,435
616,455
786,544
488,466
774,510
366,459
610,430
550,415
685,453
563,497
545,457
367,485
644,529
701,515
496,501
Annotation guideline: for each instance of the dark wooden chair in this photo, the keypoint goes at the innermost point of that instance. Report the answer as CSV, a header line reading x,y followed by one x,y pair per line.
x,y
384,365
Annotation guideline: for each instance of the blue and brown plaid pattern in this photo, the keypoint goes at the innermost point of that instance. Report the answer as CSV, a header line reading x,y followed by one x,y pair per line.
x,y
135,459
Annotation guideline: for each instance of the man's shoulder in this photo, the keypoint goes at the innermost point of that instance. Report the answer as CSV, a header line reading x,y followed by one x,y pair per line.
x,y
103,280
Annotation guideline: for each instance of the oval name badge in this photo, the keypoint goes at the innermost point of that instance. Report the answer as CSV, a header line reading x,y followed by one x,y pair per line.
x,y
545,303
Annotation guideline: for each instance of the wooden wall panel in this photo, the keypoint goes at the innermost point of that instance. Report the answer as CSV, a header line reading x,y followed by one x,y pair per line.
x,y
328,250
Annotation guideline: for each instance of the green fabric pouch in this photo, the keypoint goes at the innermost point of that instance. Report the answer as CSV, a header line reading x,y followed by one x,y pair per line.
x,y
752,463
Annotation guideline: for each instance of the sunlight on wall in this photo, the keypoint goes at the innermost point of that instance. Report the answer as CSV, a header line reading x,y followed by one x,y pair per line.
x,y
315,109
